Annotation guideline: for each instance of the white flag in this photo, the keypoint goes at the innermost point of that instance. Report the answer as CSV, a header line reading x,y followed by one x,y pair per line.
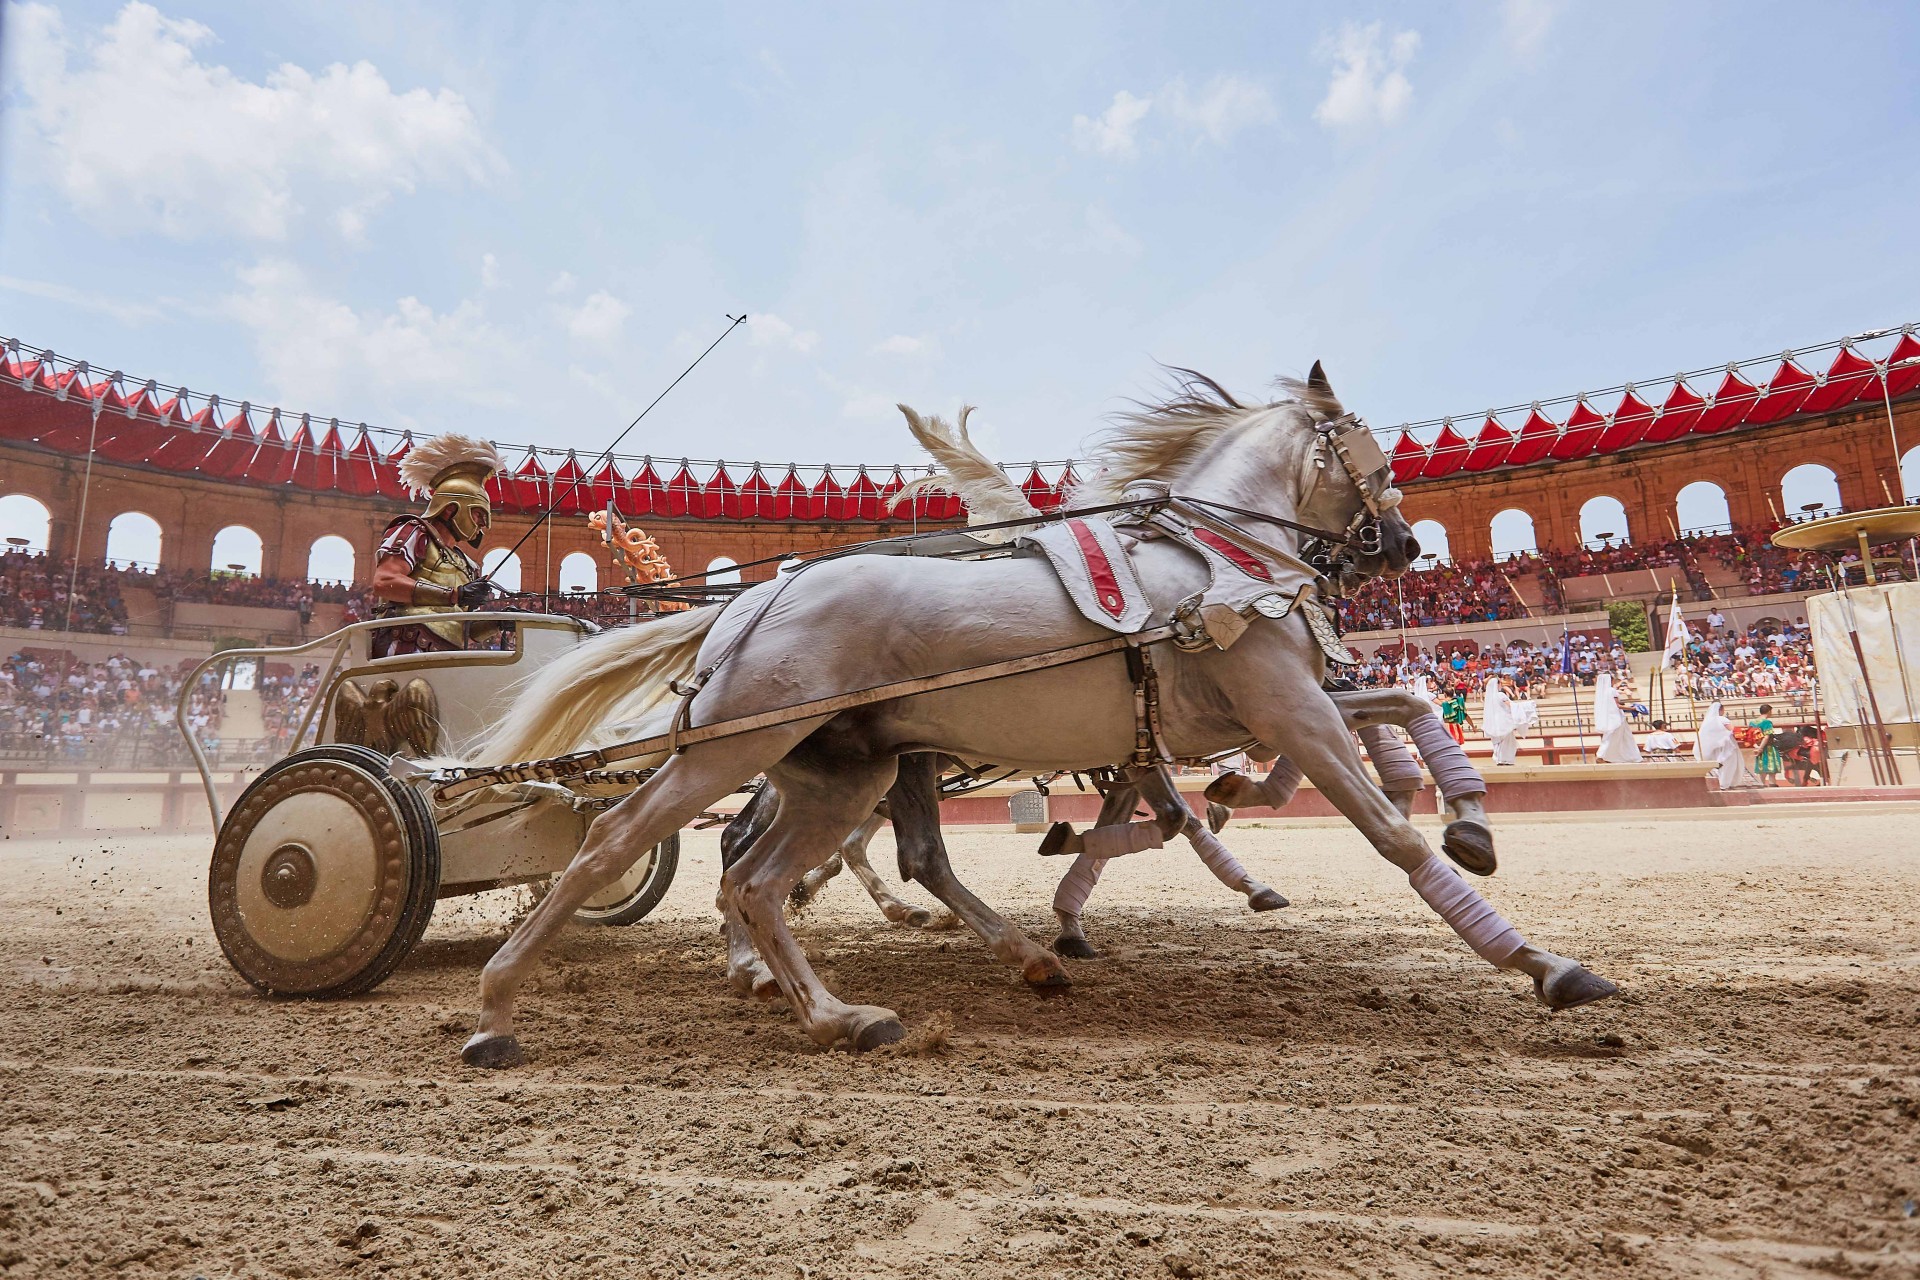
x,y
1676,634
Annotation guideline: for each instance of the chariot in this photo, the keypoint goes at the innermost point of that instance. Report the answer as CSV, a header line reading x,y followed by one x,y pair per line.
x,y
326,869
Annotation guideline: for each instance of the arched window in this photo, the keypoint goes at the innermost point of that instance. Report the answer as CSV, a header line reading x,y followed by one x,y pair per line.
x,y
1910,474
330,559
579,572
25,523
720,571
1603,522
1809,489
1433,542
1512,533
503,568
237,549
1701,507
133,541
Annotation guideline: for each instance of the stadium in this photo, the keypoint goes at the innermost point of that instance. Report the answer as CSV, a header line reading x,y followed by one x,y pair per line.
x,y
574,748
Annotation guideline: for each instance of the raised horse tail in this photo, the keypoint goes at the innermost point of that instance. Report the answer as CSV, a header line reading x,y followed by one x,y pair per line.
x,y
989,495
601,683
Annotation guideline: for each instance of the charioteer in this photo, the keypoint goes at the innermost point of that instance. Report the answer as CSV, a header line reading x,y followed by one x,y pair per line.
x,y
421,568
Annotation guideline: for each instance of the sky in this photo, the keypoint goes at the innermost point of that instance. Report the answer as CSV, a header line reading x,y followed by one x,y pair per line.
x,y
524,220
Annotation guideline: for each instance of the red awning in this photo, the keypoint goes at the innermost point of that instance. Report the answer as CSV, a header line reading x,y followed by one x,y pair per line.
x,y
1847,379
1681,409
645,491
1408,457
1446,455
1733,400
1901,381
1630,422
1579,435
1537,435
1491,446
1785,392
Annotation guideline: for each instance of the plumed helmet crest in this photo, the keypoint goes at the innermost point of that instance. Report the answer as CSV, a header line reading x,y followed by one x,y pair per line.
x,y
431,461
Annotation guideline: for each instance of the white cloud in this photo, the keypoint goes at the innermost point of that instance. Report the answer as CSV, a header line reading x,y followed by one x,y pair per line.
x,y
138,133
1369,84
1113,133
1527,22
901,344
315,350
562,283
127,312
489,271
771,331
598,319
1104,235
1226,105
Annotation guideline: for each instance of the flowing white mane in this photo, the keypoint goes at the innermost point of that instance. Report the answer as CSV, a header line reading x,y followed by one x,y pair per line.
x,y
1158,440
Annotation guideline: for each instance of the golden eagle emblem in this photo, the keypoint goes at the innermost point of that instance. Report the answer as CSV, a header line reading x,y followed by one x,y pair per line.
x,y
387,717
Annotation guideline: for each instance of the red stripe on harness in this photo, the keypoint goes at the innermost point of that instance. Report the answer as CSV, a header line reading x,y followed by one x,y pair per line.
x,y
1099,569
1241,560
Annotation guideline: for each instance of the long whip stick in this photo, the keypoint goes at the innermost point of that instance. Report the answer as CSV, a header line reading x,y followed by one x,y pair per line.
x,y
607,453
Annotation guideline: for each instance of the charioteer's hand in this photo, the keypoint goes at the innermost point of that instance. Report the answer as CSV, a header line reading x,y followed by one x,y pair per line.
x,y
473,595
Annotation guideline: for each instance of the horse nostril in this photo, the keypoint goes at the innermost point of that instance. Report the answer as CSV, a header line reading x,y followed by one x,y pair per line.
x,y
1413,548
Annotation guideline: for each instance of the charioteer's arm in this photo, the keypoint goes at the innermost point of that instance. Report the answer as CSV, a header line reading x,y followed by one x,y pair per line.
x,y
393,580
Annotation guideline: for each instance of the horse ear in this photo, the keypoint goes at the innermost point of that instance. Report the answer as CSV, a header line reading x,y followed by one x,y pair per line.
x,y
1317,379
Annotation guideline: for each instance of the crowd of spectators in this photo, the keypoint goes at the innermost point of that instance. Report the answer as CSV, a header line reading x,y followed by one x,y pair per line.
x,y
120,712
1465,591
1461,667
1763,662
34,595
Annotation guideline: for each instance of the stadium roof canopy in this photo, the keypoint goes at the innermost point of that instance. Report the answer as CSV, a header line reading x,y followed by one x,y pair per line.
x,y
64,406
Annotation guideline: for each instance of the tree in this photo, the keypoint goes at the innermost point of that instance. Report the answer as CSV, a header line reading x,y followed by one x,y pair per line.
x,y
1629,621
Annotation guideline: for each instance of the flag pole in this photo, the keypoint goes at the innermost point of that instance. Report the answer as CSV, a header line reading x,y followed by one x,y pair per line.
x,y
1566,667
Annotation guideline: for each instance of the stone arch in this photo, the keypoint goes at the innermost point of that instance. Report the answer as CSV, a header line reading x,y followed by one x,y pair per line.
x,y
1604,513
503,568
1512,532
1433,541
1701,507
237,549
25,523
1809,484
722,571
1910,474
579,572
331,559
135,539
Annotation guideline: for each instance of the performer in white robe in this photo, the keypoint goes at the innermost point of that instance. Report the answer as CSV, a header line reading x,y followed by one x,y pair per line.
x,y
1616,735
1715,742
1501,725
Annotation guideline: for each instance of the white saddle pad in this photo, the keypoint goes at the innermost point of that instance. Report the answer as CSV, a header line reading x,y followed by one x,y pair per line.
x,y
1096,570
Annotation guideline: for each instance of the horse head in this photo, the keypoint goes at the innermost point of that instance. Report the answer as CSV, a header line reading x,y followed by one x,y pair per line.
x,y
1351,492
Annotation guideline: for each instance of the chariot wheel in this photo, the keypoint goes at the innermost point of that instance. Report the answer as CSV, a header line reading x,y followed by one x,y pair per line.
x,y
637,892
324,874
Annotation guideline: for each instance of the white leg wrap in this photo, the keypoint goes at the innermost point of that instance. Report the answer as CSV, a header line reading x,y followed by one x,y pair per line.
x,y
1123,838
1468,914
1225,867
1077,885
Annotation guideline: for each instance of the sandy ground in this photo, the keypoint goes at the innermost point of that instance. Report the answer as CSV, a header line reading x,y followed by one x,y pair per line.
x,y
1336,1089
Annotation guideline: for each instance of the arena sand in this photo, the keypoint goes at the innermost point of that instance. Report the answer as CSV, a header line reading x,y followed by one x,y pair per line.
x,y
1335,1089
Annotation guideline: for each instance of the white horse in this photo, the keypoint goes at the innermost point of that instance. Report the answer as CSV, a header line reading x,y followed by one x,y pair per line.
x,y
856,622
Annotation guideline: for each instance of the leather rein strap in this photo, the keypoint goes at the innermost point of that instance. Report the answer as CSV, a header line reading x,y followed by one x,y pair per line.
x,y
579,762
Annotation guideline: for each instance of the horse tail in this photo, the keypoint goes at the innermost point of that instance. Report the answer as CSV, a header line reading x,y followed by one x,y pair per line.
x,y
991,496
602,682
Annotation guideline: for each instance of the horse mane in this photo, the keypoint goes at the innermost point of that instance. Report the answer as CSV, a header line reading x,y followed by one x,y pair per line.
x,y
1158,439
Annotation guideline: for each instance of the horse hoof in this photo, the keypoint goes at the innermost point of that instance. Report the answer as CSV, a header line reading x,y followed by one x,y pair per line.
x,y
1231,789
1571,985
1217,815
765,988
1074,947
1268,900
1044,973
1470,844
918,918
876,1033
495,1053
1054,842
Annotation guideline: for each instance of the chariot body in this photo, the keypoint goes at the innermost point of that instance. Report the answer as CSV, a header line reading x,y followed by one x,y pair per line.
x,y
325,869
